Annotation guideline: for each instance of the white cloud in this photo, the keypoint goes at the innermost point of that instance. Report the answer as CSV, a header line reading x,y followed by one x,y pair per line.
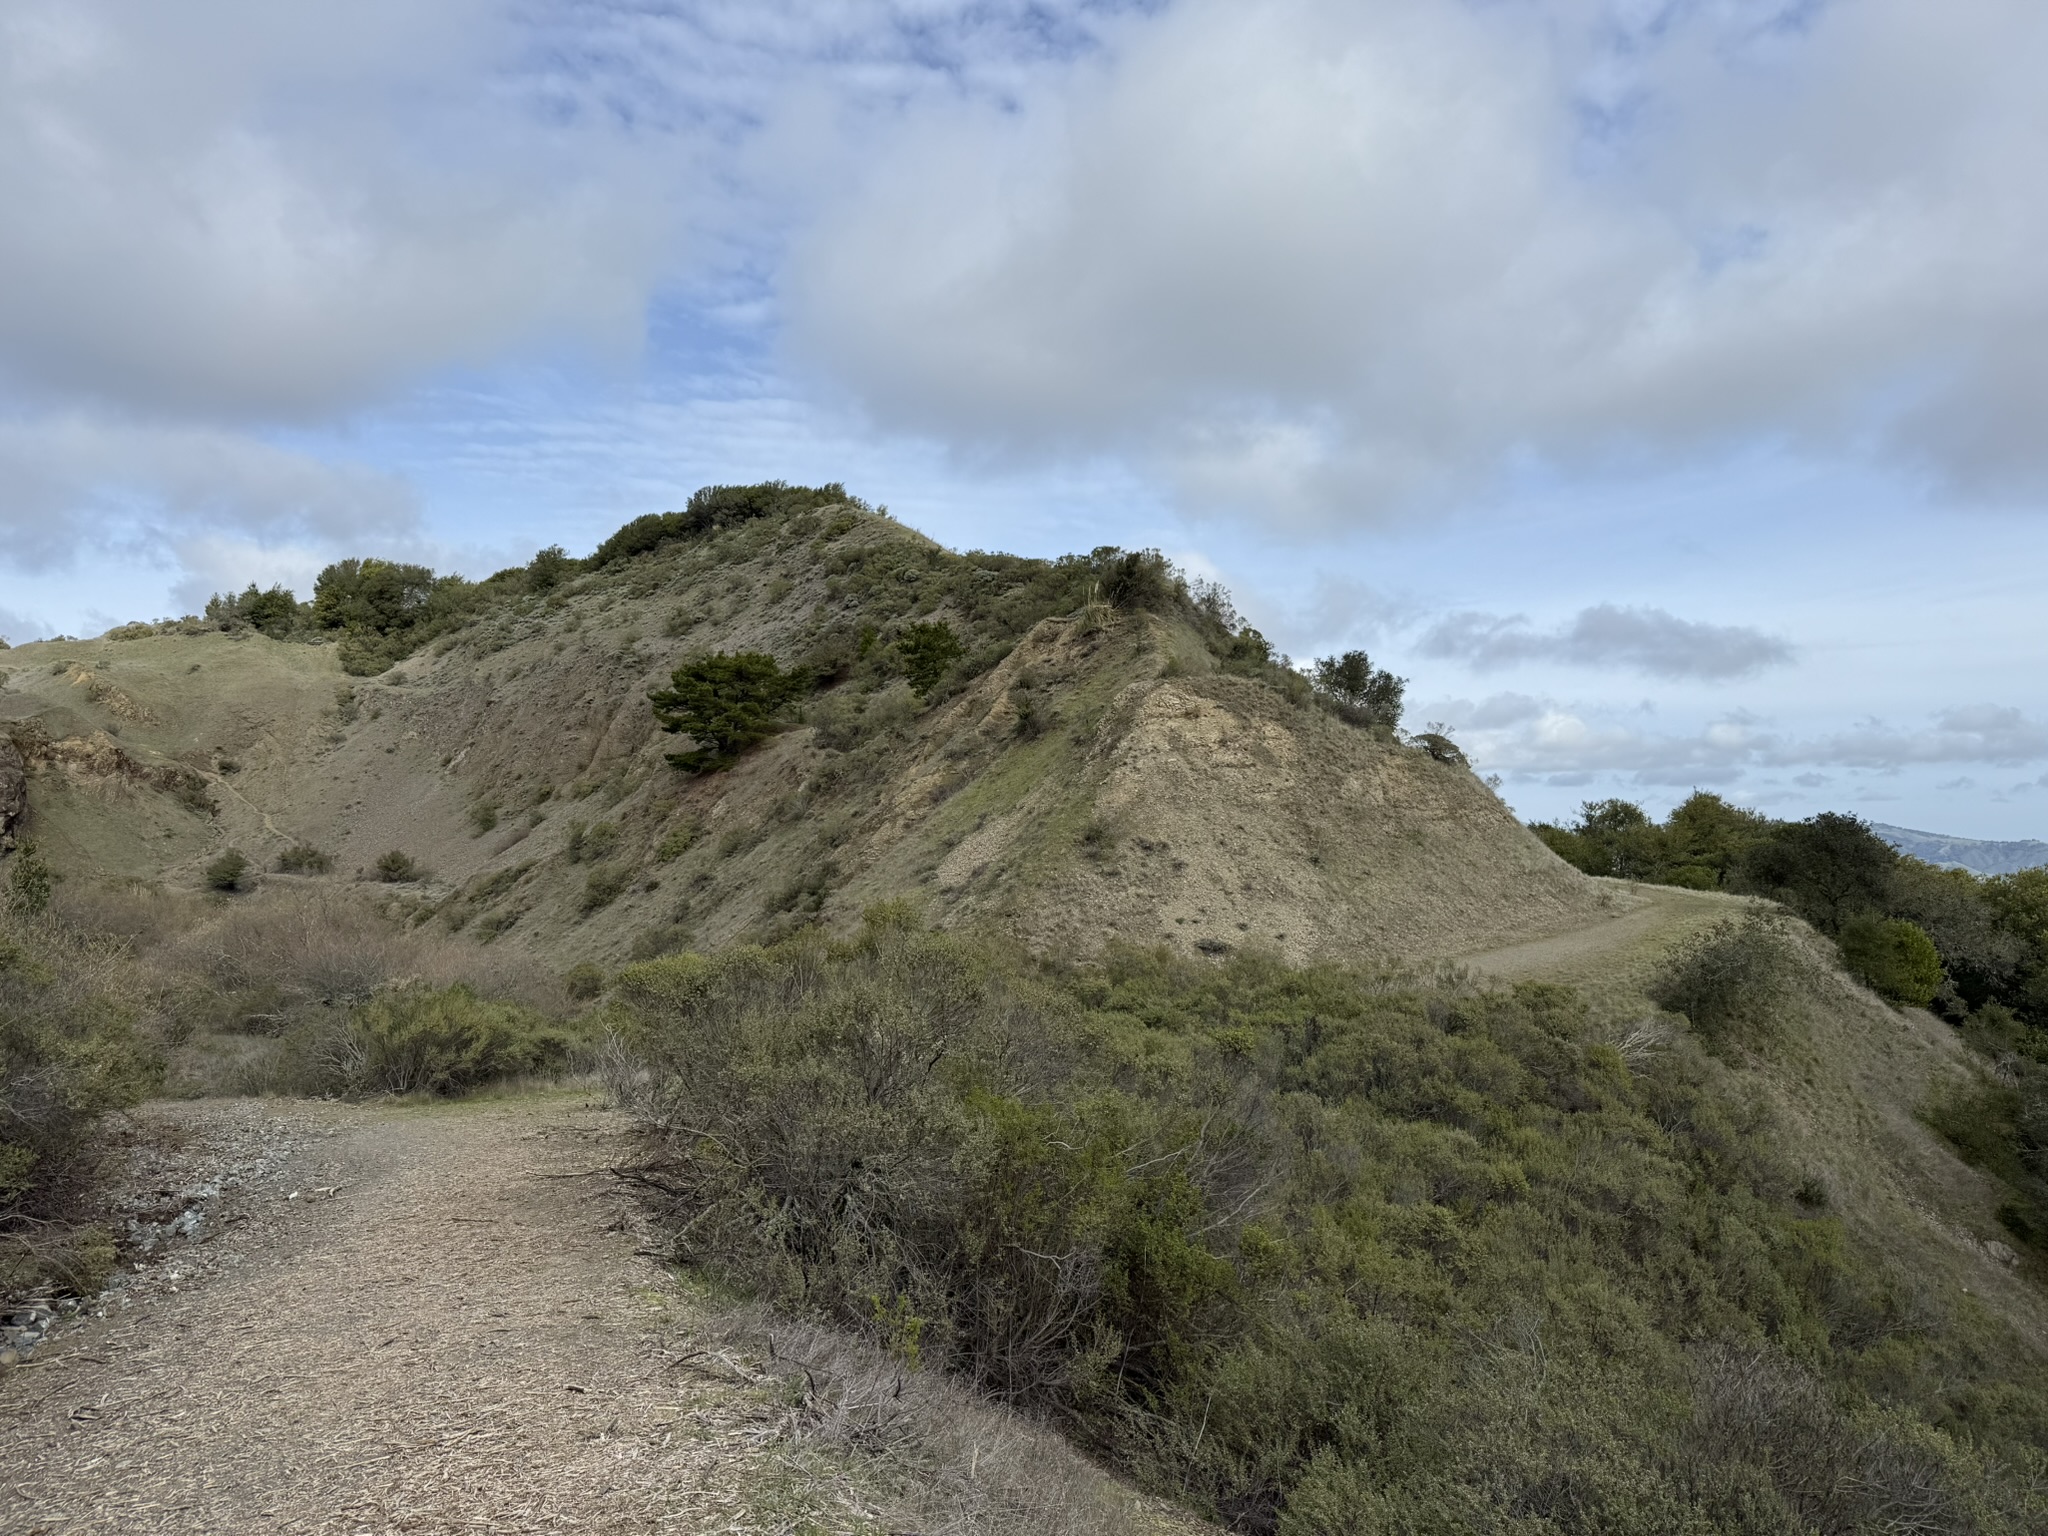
x,y
1313,260
1640,639
73,482
1515,734
230,208
1978,733
17,628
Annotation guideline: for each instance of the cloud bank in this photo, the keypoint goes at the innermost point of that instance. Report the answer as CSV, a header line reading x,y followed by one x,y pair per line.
x,y
236,210
1639,639
1517,734
1318,262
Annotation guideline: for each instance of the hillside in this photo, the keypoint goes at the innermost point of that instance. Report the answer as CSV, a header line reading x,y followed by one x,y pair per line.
x,y
1069,999
1100,775
1977,855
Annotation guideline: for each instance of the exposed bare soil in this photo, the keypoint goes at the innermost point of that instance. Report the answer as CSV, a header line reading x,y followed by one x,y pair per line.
x,y
461,1336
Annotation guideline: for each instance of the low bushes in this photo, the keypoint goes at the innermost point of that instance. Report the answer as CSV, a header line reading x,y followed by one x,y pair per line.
x,y
398,868
442,1041
71,1050
1316,1250
1893,957
1731,980
227,872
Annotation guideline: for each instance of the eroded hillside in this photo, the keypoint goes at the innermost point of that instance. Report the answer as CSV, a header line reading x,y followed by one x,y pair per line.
x,y
1082,776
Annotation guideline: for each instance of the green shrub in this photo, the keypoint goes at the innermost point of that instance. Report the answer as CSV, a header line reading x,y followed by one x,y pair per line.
x,y
398,868
1731,981
928,652
304,859
1358,691
483,816
225,873
712,508
589,842
1893,957
584,981
603,887
276,612
384,610
676,842
726,703
1135,579
445,1041
549,568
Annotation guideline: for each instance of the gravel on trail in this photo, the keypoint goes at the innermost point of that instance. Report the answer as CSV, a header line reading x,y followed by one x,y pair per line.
x,y
392,1319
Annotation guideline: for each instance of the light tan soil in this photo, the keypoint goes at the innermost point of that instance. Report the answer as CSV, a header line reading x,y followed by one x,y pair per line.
x,y
461,1338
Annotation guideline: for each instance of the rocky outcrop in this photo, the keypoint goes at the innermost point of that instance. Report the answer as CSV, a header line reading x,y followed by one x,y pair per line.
x,y
13,791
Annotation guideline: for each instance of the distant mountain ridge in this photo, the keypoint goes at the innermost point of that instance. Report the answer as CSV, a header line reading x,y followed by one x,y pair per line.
x,y
1977,856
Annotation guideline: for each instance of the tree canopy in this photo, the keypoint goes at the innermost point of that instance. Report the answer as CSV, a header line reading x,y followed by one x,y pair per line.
x,y
726,703
1359,691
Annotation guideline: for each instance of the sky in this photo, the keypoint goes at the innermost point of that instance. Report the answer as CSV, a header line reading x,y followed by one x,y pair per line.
x,y
1659,385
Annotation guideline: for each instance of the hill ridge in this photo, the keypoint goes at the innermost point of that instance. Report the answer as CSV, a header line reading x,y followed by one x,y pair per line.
x,y
1095,775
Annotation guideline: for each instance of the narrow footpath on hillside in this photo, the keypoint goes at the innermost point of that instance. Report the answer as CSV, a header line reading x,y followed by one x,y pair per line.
x,y
412,1319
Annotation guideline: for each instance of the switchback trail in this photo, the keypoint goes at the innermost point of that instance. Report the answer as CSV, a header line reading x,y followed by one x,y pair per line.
x,y
460,1338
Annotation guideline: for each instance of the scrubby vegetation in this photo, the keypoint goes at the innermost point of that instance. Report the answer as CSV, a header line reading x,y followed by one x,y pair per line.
x,y
713,508
109,995
227,872
397,867
1975,949
445,1040
1319,1250
73,1047
1730,981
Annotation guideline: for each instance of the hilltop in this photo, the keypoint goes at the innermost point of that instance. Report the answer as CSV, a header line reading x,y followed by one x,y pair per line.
x,y
1083,772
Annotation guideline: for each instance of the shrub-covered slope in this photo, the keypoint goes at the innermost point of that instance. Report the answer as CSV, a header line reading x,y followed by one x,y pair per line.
x,y
1084,755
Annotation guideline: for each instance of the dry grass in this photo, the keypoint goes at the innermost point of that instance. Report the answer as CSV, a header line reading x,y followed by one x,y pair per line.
x,y
245,991
948,1463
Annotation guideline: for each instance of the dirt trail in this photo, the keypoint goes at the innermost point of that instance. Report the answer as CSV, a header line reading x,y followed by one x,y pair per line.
x,y
1615,954
463,1338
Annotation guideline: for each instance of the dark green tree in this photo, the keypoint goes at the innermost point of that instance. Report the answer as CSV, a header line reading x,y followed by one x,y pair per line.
x,y
550,568
381,596
928,650
1704,837
1359,691
726,704
1828,868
